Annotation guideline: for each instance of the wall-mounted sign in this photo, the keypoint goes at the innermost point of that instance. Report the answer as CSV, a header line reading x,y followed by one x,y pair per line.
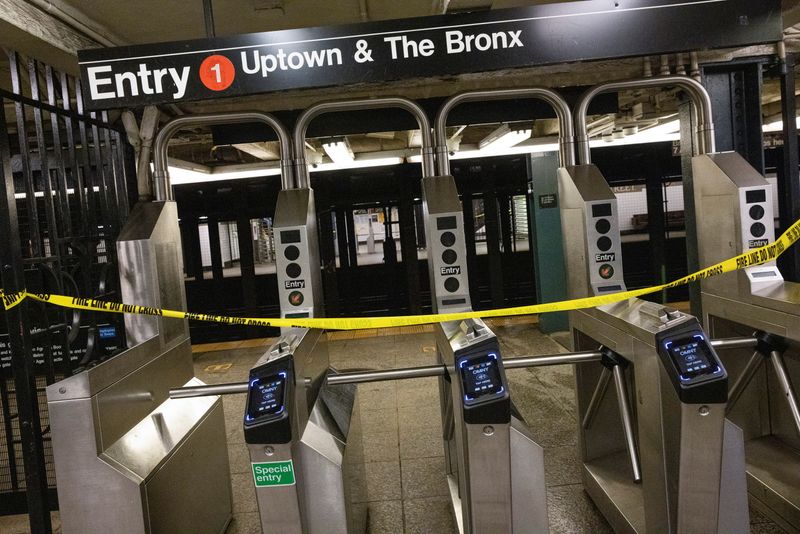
x,y
418,47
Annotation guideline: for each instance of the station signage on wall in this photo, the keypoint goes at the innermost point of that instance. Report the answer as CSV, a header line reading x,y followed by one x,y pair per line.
x,y
375,52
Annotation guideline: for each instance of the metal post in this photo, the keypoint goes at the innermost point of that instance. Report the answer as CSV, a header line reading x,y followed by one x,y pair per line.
x,y
208,16
786,385
789,170
753,364
597,397
627,421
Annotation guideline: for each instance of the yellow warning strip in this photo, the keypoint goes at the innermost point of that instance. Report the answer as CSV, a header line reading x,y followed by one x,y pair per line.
x,y
752,257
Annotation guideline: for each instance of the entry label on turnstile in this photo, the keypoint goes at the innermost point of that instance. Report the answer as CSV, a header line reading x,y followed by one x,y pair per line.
x,y
267,474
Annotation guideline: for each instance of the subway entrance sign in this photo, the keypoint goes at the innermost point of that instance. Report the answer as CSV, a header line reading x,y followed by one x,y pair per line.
x,y
273,473
382,51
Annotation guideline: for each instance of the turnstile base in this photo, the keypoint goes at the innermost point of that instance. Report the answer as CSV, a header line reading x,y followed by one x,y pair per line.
x,y
609,483
773,480
455,500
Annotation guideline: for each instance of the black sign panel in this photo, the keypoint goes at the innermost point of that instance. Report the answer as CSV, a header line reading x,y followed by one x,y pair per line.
x,y
107,342
418,47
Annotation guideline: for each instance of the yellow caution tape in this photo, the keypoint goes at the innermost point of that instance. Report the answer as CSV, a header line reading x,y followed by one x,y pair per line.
x,y
752,257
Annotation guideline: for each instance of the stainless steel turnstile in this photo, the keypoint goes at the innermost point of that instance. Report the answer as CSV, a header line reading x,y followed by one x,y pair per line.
x,y
495,469
128,459
734,213
658,454
302,438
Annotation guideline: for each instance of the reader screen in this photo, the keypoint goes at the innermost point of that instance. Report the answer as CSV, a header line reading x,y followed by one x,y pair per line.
x,y
481,377
755,195
266,396
692,356
290,236
601,210
446,223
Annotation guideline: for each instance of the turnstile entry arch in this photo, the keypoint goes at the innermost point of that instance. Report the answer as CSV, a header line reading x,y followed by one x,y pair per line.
x,y
304,180
444,220
565,136
163,190
696,91
301,129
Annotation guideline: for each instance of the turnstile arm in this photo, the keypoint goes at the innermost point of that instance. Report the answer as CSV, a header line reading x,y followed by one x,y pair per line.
x,y
627,421
786,385
749,371
597,396
735,343
204,391
440,370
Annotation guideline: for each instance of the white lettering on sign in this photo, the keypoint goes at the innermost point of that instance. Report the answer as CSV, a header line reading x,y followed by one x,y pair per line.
x,y
409,47
268,63
458,42
127,84
445,271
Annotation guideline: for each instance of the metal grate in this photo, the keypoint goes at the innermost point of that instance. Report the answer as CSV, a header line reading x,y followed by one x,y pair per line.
x,y
68,202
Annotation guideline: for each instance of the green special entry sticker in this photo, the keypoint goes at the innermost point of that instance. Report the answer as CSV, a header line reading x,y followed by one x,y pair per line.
x,y
273,473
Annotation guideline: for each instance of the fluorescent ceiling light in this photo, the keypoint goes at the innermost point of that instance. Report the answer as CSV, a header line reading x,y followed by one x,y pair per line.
x,y
40,194
505,137
358,163
777,126
338,149
179,175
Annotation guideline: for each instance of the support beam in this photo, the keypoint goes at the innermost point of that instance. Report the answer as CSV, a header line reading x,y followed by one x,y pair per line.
x,y
34,33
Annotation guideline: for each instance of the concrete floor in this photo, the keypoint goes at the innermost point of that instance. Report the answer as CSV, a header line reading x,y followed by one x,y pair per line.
x,y
400,425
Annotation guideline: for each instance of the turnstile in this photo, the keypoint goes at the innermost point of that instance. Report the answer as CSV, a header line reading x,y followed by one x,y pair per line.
x,y
444,218
297,254
494,467
303,442
121,447
734,213
657,452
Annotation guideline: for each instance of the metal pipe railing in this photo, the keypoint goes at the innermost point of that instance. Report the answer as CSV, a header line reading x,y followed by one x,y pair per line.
x,y
698,94
301,129
566,132
162,188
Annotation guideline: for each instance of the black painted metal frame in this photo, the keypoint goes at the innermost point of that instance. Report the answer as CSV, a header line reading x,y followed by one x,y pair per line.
x,y
65,199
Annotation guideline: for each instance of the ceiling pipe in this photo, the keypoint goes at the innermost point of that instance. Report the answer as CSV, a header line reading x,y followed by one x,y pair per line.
x,y
566,135
163,191
698,94
79,22
301,129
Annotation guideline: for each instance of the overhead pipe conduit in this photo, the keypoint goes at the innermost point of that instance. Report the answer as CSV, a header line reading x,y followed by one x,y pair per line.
x,y
301,129
163,191
566,139
698,94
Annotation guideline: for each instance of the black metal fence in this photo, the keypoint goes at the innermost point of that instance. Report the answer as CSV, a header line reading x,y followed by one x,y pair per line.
x,y
65,199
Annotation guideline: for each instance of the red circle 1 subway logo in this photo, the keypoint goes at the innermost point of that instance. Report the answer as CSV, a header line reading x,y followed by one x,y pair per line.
x,y
606,271
217,72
